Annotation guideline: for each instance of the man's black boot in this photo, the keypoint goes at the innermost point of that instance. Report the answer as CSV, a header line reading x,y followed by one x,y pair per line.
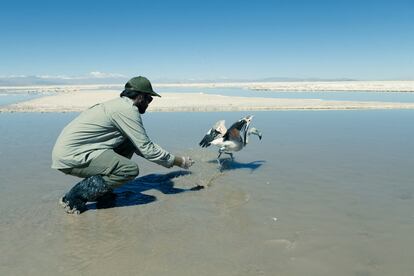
x,y
88,189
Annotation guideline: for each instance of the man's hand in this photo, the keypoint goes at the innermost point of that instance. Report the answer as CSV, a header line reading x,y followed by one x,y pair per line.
x,y
184,162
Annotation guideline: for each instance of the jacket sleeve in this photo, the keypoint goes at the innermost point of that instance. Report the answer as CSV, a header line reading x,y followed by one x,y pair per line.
x,y
130,124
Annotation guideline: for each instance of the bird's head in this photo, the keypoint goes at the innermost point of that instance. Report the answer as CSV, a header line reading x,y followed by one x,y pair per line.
x,y
247,120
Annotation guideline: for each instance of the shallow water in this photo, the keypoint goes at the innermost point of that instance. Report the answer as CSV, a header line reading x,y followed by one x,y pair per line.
x,y
6,99
323,193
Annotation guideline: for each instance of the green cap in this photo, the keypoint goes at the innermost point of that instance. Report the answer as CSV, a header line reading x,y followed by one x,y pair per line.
x,y
140,84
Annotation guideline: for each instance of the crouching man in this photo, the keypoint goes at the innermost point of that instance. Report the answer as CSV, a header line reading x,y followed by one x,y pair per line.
x,y
99,143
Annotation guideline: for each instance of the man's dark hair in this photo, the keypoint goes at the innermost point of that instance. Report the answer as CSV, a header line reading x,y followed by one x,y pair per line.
x,y
129,93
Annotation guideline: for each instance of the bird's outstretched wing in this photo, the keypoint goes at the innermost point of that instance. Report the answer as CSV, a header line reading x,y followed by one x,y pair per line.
x,y
217,131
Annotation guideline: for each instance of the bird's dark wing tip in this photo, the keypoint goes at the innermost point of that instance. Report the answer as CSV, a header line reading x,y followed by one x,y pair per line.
x,y
205,142
210,136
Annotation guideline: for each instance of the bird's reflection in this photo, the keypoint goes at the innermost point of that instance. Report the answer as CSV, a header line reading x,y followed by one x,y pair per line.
x,y
230,164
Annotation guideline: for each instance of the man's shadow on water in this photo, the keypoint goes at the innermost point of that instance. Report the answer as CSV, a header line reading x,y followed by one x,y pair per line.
x,y
229,164
131,194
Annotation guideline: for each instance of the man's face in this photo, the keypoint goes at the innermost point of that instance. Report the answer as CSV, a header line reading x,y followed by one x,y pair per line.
x,y
142,101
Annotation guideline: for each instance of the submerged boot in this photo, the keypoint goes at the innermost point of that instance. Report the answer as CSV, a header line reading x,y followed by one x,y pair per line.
x,y
88,189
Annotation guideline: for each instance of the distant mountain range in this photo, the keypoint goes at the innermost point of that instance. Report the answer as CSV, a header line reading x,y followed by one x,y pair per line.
x,y
119,79
39,80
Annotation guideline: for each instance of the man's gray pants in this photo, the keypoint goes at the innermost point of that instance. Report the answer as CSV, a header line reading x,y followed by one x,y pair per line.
x,y
115,166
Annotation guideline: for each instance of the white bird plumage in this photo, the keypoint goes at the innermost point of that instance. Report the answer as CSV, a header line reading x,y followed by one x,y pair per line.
x,y
232,139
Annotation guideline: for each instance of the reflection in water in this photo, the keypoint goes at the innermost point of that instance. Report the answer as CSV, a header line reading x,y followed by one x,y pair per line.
x,y
131,194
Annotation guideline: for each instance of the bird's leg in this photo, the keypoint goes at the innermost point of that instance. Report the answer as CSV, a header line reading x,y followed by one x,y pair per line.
x,y
231,155
218,157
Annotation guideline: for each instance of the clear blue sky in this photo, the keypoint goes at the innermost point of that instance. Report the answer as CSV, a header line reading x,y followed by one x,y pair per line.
x,y
209,39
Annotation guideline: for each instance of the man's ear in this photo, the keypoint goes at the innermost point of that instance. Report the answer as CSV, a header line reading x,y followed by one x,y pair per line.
x,y
138,99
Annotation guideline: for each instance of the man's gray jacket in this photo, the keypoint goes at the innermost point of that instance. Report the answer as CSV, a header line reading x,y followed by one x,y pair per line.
x,y
105,126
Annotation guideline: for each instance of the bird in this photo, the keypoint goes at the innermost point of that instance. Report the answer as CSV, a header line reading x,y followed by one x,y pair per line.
x,y
230,140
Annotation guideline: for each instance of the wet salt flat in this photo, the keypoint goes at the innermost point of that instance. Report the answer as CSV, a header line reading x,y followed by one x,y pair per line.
x,y
323,193
405,97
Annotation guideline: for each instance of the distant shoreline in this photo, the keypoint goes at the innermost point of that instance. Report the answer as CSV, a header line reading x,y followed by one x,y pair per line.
x,y
303,86
310,86
75,98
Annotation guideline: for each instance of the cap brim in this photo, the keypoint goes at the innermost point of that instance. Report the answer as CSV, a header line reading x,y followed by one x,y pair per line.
x,y
152,93
155,94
